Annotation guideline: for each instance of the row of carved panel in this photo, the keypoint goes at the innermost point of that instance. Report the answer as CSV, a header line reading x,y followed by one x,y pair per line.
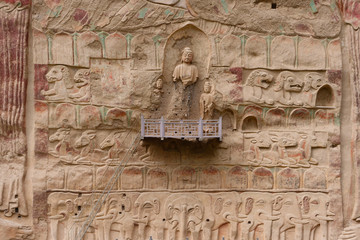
x,y
248,118
315,90
86,178
115,85
279,52
267,148
193,216
257,118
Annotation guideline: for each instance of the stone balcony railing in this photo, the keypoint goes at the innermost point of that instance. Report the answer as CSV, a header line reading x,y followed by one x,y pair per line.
x,y
181,129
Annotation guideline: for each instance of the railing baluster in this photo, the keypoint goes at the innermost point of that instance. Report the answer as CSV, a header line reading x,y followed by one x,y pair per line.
x,y
181,128
142,127
162,128
220,128
201,129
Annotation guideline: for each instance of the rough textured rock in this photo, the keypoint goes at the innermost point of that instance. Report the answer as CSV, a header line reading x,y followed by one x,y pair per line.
x,y
179,119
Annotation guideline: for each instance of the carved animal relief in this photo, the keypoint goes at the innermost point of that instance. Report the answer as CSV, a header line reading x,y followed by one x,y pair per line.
x,y
180,119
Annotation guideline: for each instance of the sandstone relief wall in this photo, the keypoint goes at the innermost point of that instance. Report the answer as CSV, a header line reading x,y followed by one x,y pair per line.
x,y
270,73
14,19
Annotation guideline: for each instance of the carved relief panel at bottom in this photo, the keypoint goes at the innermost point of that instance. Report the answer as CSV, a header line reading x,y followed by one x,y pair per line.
x,y
195,216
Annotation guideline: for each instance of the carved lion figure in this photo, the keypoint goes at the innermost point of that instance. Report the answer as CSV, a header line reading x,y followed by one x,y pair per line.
x,y
256,83
313,81
286,87
59,76
82,83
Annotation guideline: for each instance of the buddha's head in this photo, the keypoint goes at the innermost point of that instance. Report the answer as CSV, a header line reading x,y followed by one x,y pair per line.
x,y
187,55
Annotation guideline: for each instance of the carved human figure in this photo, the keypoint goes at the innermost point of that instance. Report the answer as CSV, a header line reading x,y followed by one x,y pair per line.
x,y
155,98
207,102
59,76
82,84
184,77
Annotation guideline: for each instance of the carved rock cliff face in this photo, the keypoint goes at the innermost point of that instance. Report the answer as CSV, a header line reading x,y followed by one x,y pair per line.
x,y
241,100
14,28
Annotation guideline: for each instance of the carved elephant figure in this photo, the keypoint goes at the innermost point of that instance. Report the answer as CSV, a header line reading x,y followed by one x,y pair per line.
x,y
116,215
315,208
257,208
286,207
62,208
184,213
148,215
226,210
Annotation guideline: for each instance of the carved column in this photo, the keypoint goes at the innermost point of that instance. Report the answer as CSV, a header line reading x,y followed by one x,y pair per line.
x,y
14,19
352,39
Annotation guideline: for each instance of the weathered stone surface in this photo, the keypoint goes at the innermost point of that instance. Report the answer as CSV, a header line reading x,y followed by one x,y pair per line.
x,y
241,102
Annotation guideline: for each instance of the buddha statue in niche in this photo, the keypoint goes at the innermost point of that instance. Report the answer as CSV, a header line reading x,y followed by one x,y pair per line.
x,y
186,71
184,77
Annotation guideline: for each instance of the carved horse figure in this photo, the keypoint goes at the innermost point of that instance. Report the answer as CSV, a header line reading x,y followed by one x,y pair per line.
x,y
62,136
115,143
87,144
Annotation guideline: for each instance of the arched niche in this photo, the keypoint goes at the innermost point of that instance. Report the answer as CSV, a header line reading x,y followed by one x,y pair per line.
x,y
283,52
311,54
300,118
115,46
40,47
255,52
253,110
321,118
88,46
229,120
90,117
325,96
62,49
275,118
198,41
142,52
63,116
334,55
230,51
250,123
